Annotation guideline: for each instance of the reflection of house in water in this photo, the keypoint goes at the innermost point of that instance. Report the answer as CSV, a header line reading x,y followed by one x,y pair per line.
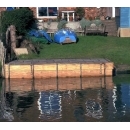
x,y
49,105
125,90
121,100
62,99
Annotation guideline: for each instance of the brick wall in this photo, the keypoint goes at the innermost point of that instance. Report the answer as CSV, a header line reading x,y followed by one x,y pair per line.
x,y
34,9
2,9
90,12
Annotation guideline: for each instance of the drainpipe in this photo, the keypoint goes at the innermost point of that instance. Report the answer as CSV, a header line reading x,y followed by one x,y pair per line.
x,y
62,15
73,16
113,12
67,16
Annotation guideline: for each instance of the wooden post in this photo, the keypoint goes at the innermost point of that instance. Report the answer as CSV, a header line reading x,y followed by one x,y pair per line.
x,y
11,39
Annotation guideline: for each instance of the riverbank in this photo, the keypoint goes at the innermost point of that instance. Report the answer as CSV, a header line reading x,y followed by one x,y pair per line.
x,y
123,69
115,49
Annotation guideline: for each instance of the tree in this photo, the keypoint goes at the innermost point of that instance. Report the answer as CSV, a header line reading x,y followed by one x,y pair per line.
x,y
80,12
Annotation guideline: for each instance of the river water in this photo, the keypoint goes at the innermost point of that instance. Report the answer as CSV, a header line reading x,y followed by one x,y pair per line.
x,y
95,99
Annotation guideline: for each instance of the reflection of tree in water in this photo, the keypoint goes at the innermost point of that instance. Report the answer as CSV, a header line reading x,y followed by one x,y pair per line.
x,y
5,110
19,102
79,106
93,109
89,104
25,101
67,96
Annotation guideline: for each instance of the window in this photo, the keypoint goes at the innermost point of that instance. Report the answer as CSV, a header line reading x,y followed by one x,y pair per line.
x,y
47,11
10,8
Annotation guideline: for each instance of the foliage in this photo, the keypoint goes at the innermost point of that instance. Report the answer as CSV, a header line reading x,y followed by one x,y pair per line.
x,y
84,23
22,19
61,24
97,22
79,11
40,40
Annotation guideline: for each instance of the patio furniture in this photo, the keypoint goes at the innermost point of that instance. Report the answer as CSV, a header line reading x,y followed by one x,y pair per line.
x,y
96,27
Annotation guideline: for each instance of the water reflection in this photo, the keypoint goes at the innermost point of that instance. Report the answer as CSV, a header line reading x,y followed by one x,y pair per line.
x,y
49,104
93,109
64,99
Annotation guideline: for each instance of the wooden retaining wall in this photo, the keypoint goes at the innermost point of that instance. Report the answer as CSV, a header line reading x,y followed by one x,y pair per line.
x,y
58,68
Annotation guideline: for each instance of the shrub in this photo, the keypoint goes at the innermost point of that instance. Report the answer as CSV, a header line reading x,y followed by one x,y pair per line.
x,y
80,12
97,22
62,24
84,23
40,40
21,18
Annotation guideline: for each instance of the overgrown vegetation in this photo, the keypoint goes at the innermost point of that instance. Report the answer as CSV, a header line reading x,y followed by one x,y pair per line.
x,y
35,40
21,18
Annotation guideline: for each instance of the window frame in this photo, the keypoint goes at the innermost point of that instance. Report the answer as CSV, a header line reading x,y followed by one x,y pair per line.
x,y
45,16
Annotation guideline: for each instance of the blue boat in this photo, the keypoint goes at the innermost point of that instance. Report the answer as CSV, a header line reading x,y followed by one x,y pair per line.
x,y
40,33
65,36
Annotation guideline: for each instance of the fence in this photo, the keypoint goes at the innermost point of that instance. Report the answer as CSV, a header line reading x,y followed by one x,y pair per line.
x,y
2,57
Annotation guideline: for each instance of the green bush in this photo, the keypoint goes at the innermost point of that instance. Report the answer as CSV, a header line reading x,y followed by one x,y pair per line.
x,y
62,24
22,18
97,22
84,23
36,40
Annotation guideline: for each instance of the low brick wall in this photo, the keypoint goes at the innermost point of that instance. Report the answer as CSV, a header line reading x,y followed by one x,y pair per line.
x,y
53,25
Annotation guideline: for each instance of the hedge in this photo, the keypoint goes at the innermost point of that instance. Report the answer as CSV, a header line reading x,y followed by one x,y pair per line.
x,y
22,18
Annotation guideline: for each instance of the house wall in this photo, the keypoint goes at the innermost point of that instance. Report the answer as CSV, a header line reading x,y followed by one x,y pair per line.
x,y
90,12
2,9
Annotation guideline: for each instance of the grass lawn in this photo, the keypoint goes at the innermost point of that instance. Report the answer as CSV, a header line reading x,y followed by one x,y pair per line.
x,y
113,48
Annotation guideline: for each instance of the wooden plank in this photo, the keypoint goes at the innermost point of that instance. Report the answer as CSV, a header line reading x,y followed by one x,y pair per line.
x,y
95,72
69,66
20,51
49,70
109,65
92,66
14,68
69,73
45,74
45,67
